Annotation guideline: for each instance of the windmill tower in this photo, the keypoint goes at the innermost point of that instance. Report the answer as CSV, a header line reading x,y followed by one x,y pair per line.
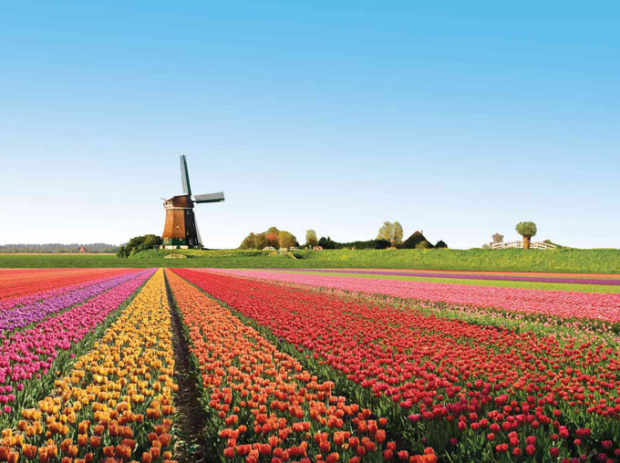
x,y
180,229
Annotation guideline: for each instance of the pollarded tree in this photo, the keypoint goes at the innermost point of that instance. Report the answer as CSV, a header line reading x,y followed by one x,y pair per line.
x,y
526,230
311,239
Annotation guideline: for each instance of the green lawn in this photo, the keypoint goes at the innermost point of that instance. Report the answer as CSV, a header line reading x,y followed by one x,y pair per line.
x,y
518,260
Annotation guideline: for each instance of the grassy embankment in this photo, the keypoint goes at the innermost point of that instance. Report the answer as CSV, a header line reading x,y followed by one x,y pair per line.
x,y
518,260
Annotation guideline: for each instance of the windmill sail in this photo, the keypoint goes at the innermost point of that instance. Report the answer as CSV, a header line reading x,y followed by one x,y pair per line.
x,y
198,235
187,189
209,198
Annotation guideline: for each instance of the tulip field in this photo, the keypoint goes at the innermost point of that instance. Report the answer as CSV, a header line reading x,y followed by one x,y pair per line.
x,y
231,365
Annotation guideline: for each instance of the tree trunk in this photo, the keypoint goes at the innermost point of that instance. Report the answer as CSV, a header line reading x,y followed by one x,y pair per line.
x,y
526,242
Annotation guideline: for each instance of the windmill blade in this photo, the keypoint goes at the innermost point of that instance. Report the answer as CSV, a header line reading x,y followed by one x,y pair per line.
x,y
209,198
198,234
187,189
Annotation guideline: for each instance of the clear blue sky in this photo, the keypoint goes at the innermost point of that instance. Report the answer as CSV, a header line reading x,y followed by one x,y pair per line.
x,y
460,119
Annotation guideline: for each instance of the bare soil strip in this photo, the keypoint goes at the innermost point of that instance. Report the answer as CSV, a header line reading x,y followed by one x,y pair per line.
x,y
190,420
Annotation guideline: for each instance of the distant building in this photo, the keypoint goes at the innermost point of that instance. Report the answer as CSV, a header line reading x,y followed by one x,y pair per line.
x,y
82,249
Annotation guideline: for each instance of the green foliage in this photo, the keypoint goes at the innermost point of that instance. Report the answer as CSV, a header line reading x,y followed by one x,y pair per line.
x,y
286,239
311,238
392,232
506,260
327,243
423,245
526,229
385,232
441,245
272,237
396,237
249,242
137,244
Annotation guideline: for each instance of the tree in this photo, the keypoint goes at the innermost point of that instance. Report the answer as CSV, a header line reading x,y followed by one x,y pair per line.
x,y
397,234
526,230
272,237
423,245
121,252
311,239
261,241
327,243
139,243
441,245
385,232
497,238
272,240
249,242
286,239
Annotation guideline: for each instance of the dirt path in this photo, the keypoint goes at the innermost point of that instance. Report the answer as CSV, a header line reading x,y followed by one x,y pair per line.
x,y
191,420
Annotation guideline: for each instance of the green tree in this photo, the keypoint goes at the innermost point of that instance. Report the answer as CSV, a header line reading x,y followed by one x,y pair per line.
x,y
261,241
121,252
396,236
286,239
327,243
311,239
527,230
249,242
441,245
385,232
139,243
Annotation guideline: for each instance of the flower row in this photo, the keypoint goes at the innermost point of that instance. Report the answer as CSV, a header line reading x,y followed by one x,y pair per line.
x,y
22,316
27,355
566,304
484,387
613,281
267,406
116,403
23,286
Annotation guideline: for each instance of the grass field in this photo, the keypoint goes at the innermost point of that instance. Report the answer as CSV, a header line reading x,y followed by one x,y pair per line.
x,y
516,260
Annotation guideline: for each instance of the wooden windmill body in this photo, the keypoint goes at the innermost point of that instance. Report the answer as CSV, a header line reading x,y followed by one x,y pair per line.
x,y
180,229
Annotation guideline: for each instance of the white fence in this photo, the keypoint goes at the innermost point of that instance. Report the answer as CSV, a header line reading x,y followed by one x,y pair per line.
x,y
519,245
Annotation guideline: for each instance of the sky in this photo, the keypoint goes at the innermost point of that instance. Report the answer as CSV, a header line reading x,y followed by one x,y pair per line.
x,y
459,119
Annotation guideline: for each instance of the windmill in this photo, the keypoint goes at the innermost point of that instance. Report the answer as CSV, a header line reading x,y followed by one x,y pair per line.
x,y
180,229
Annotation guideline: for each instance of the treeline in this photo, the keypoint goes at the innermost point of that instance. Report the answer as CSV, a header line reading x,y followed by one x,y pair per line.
x,y
416,241
390,236
272,237
57,248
